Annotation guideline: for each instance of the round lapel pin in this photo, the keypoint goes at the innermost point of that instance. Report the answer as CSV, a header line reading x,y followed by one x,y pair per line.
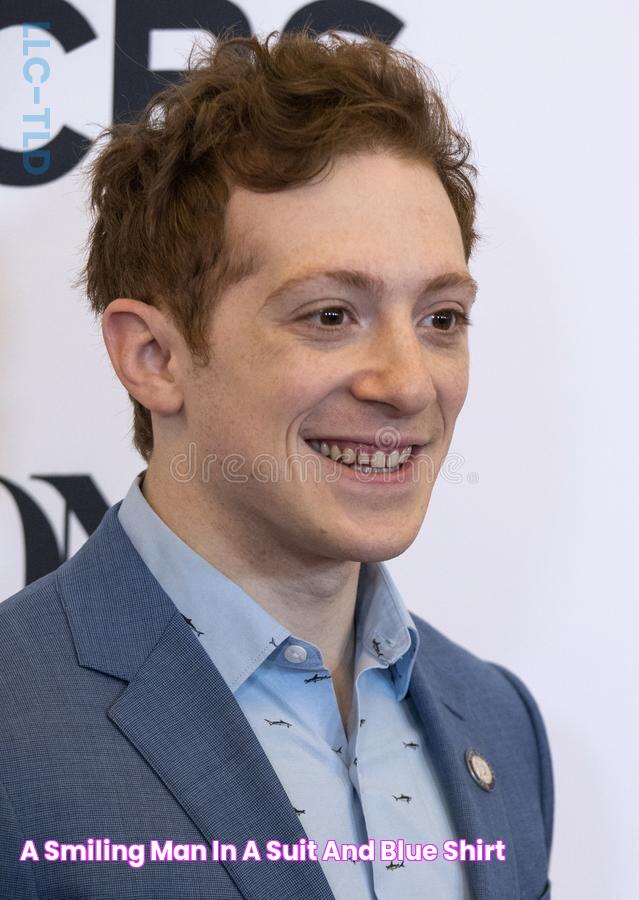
x,y
480,769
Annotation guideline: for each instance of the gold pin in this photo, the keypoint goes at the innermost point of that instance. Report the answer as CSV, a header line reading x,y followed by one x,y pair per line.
x,y
480,769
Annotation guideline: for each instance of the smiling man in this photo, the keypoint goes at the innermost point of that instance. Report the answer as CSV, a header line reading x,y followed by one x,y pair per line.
x,y
280,259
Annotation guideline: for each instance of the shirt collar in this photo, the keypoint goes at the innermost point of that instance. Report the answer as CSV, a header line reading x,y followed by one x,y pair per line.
x,y
237,632
385,629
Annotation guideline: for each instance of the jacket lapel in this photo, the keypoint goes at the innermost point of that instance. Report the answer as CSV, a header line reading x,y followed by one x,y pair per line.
x,y
179,713
449,731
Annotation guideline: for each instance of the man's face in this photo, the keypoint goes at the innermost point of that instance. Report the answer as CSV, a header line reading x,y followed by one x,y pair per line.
x,y
384,370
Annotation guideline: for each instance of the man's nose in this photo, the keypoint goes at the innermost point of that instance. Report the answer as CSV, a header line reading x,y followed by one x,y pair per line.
x,y
396,367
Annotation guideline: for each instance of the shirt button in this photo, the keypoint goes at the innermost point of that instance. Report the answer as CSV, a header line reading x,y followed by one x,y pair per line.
x,y
295,654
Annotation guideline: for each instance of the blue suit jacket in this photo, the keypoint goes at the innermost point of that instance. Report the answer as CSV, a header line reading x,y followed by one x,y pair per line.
x,y
115,723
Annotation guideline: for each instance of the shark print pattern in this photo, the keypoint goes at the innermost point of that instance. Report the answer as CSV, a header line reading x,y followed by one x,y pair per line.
x,y
316,678
190,622
346,773
405,824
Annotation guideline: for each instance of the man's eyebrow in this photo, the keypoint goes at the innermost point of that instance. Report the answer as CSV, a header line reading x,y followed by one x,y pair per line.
x,y
372,284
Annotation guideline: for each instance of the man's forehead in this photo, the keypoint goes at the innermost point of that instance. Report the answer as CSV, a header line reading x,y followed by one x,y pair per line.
x,y
248,257
250,252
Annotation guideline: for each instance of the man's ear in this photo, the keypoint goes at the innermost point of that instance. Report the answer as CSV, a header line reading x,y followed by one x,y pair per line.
x,y
143,346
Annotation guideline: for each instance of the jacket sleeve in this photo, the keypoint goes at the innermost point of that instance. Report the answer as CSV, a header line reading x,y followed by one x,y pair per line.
x,y
17,879
546,780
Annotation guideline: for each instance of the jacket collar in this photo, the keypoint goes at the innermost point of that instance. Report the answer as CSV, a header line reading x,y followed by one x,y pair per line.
x,y
179,713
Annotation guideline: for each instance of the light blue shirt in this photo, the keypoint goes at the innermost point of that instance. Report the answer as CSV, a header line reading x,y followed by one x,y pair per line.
x,y
376,782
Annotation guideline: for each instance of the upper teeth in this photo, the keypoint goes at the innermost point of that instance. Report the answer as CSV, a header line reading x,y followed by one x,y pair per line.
x,y
349,456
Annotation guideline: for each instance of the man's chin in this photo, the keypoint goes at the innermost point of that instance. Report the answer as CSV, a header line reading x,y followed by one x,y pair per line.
x,y
376,548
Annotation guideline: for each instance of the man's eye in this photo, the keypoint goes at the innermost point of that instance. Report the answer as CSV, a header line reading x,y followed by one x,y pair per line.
x,y
447,321
443,317
330,317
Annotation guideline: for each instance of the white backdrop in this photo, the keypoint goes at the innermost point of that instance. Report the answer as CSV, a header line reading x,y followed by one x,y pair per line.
x,y
527,555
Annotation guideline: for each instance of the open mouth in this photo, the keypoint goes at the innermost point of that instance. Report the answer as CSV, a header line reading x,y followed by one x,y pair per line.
x,y
364,457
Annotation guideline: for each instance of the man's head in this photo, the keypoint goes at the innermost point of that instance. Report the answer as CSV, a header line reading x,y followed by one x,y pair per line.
x,y
270,162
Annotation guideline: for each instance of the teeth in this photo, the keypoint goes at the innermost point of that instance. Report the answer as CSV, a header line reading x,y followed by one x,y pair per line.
x,y
349,457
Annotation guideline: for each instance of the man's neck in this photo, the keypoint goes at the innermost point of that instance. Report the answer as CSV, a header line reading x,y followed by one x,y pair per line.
x,y
315,602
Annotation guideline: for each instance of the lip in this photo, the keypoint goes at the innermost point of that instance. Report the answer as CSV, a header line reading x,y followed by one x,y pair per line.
x,y
405,475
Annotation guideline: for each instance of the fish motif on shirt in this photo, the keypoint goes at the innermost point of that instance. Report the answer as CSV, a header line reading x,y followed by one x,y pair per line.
x,y
190,622
315,678
290,757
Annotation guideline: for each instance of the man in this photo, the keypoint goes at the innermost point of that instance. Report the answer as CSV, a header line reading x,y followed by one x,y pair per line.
x,y
280,259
